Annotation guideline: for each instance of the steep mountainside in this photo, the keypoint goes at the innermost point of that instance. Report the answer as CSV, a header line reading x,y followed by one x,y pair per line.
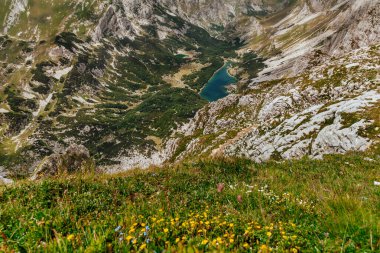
x,y
226,18
332,107
104,88
319,93
119,80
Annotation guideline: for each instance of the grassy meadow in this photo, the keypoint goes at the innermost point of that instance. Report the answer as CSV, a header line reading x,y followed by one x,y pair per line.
x,y
329,205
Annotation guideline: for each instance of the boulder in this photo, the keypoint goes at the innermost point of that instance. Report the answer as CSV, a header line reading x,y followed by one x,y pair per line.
x,y
76,158
5,181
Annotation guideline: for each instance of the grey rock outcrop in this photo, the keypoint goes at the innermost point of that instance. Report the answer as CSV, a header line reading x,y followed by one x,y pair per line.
x,y
5,181
75,159
294,137
358,26
16,9
310,115
124,19
335,28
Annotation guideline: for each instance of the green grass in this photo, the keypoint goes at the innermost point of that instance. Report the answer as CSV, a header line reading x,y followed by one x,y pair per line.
x,y
251,64
307,205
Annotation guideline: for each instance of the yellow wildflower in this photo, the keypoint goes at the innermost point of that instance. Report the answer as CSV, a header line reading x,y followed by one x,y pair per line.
x,y
177,240
269,234
70,237
166,230
293,237
264,249
231,225
232,240
129,238
143,246
204,242
246,245
294,250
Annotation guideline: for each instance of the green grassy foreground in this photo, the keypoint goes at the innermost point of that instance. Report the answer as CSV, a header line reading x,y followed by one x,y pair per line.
x,y
224,205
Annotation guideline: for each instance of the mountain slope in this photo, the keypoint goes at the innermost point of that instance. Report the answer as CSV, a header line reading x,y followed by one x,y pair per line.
x,y
120,80
104,89
319,93
331,108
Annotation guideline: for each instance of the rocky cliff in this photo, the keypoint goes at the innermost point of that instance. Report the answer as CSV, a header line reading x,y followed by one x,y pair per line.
x,y
330,108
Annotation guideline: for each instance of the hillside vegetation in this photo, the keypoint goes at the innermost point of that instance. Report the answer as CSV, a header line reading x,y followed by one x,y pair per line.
x,y
329,205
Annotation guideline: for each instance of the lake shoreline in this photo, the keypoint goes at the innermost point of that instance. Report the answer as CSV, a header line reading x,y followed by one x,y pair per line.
x,y
219,87
216,71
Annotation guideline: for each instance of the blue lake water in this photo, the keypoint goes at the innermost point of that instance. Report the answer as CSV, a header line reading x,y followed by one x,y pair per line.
x,y
216,86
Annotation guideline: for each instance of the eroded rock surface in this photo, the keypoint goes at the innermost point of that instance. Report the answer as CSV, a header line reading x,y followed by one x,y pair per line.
x,y
75,159
332,108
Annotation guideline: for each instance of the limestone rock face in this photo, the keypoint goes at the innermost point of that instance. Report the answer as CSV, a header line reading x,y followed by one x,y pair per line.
x,y
293,138
237,16
17,8
313,114
5,181
124,18
334,27
108,25
358,26
76,158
